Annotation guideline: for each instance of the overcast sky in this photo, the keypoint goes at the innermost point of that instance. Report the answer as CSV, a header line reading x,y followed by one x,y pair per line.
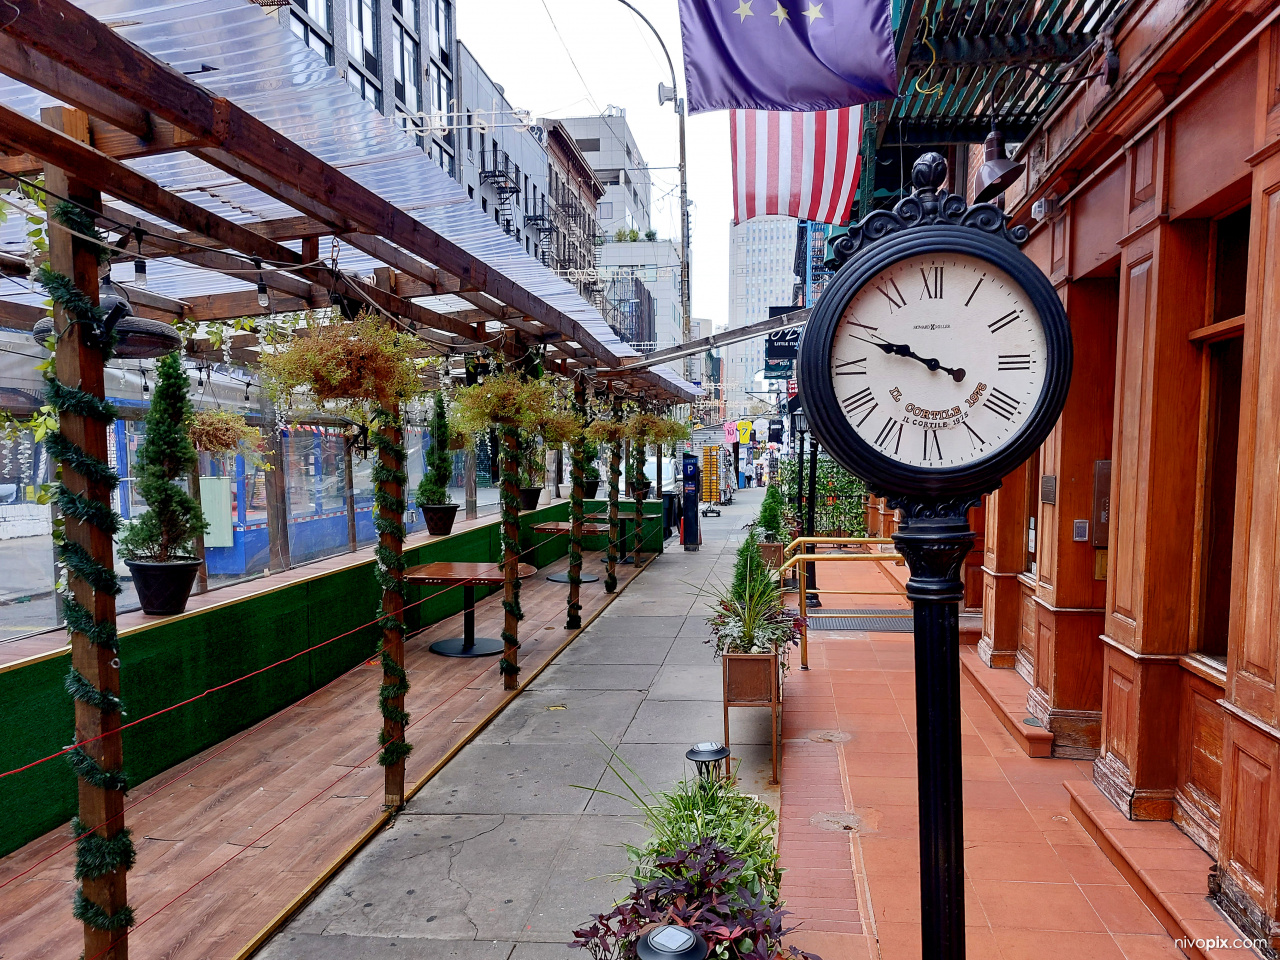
x,y
531,47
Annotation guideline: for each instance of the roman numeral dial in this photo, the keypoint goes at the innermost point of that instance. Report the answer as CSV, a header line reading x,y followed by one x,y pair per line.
x,y
938,361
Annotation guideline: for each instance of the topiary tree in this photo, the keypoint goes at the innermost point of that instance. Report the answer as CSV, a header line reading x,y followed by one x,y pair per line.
x,y
771,515
166,455
751,574
434,488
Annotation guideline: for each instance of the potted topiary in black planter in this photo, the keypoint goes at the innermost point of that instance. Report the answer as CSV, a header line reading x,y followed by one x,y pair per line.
x,y
157,546
591,477
433,492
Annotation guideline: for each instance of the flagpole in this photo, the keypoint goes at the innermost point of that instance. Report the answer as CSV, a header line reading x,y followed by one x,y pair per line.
x,y
686,309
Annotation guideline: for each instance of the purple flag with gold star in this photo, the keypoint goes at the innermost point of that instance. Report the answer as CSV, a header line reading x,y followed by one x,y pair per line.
x,y
791,55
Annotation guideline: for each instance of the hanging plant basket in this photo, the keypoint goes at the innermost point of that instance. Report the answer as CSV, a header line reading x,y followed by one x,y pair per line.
x,y
590,488
364,359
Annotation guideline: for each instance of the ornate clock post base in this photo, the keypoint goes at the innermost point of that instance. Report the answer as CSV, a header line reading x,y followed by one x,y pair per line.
x,y
935,538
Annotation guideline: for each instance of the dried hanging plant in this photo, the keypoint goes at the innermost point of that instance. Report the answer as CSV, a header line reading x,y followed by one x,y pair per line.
x,y
366,359
221,431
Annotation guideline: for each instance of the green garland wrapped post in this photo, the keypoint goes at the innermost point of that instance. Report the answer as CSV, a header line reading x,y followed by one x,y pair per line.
x,y
75,389
576,500
615,472
512,614
639,483
389,482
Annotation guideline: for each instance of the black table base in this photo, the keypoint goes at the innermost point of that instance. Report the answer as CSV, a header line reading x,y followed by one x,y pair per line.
x,y
468,645
564,578
462,647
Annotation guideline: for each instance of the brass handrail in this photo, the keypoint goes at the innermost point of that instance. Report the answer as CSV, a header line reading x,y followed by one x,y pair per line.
x,y
804,541
801,559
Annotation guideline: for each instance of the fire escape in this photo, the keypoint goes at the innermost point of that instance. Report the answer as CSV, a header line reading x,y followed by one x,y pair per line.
x,y
503,174
542,220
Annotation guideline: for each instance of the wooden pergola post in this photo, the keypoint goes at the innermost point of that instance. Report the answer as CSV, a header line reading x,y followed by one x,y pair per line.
x,y
638,446
393,674
79,365
615,469
511,556
576,498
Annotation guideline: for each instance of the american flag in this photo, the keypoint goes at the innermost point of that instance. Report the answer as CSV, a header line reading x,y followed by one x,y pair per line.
x,y
795,164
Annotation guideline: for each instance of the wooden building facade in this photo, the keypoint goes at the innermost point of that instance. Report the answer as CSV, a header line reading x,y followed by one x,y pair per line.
x,y
1130,571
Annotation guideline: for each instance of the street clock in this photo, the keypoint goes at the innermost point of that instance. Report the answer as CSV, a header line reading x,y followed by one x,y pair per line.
x,y
939,356
935,362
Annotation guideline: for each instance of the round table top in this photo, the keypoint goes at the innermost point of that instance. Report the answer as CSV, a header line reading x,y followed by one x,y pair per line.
x,y
448,571
604,516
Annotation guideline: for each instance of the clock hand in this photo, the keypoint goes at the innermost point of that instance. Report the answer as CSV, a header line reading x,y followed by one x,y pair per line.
x,y
903,350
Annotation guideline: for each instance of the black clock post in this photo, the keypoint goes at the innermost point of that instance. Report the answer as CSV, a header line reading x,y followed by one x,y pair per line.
x,y
934,500
935,538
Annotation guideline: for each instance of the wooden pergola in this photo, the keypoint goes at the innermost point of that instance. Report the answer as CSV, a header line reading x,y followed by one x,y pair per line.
x,y
119,138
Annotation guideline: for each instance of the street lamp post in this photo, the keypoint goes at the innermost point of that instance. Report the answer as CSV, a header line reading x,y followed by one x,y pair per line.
x,y
666,94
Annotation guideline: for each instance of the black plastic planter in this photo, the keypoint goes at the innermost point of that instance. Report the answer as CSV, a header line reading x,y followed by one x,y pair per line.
x,y
163,588
439,518
529,497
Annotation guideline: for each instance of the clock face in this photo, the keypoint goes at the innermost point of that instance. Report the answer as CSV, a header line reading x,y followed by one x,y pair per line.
x,y
938,360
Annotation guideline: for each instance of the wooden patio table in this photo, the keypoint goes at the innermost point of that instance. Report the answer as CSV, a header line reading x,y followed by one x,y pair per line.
x,y
564,526
623,519
469,575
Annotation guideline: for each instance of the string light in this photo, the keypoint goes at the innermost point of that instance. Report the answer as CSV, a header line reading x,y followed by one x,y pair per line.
x,y
139,262
264,298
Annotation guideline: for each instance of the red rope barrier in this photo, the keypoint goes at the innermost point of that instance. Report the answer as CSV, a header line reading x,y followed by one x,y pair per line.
x,y
283,821
230,683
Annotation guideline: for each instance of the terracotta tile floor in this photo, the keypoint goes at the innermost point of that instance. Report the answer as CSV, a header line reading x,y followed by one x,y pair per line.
x,y
1038,887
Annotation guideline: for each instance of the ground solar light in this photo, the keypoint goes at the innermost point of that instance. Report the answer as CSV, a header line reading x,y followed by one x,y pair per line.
x,y
671,943
706,756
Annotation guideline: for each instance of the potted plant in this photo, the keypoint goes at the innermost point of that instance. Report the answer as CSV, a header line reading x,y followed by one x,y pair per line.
x,y
533,470
591,475
770,523
157,546
438,511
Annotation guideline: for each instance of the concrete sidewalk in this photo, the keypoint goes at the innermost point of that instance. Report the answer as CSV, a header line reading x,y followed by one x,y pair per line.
x,y
504,853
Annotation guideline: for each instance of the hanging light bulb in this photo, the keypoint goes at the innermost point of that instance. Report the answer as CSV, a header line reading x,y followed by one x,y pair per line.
x,y
200,375
246,391
264,298
146,387
139,263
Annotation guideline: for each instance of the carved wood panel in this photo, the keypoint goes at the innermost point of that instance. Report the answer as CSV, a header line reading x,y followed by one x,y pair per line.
x,y
1199,794
1126,487
1248,844
1118,707
1254,653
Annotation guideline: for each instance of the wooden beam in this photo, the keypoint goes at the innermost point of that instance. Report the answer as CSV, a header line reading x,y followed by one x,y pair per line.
x,y
259,155
126,184
23,63
20,316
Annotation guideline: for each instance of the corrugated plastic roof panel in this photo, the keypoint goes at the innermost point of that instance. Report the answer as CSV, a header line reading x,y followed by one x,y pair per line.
x,y
233,49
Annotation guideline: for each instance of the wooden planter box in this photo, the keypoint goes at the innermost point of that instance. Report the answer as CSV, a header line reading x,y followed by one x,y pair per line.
x,y
772,553
754,680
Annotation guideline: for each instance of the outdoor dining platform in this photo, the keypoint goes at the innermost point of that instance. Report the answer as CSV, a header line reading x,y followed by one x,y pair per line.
x,y
242,832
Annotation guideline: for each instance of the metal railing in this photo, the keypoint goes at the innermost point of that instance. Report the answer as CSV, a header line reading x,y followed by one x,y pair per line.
x,y
801,560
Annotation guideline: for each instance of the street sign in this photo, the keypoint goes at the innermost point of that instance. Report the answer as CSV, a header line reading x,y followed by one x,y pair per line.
x,y
782,344
779,369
